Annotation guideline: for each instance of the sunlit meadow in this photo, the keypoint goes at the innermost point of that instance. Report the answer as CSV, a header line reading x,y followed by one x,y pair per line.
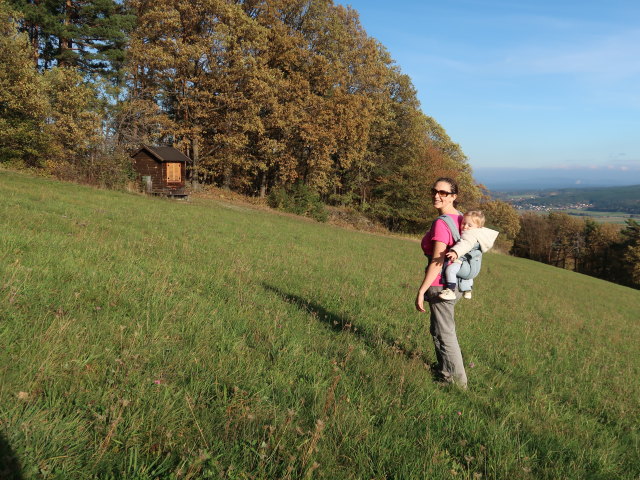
x,y
143,338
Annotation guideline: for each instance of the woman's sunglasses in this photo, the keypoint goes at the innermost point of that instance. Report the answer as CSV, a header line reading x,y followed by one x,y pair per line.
x,y
441,193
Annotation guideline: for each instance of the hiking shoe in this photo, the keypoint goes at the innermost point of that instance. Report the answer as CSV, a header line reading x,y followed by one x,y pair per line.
x,y
467,294
447,294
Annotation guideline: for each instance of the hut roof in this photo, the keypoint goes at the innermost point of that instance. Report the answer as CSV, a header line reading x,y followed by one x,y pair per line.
x,y
165,154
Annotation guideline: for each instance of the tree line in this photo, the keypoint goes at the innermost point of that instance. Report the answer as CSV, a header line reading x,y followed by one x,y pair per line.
x,y
602,250
261,94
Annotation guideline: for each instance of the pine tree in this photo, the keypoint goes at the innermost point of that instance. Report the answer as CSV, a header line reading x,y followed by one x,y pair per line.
x,y
90,35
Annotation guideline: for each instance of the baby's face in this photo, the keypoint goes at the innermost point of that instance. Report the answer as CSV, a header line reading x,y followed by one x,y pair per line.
x,y
468,223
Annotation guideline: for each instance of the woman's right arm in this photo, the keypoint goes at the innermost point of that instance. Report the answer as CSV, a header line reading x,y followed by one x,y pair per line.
x,y
431,272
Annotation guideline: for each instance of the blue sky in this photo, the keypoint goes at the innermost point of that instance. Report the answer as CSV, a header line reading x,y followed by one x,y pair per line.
x,y
523,84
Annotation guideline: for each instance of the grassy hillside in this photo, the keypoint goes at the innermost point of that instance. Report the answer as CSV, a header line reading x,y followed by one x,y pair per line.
x,y
143,338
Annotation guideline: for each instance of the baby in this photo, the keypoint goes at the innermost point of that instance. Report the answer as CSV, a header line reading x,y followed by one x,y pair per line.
x,y
473,231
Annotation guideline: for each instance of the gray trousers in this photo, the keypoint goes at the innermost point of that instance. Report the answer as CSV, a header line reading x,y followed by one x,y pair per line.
x,y
445,340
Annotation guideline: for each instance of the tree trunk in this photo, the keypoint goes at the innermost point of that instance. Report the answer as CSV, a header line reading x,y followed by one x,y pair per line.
x,y
195,157
66,43
226,179
34,36
263,184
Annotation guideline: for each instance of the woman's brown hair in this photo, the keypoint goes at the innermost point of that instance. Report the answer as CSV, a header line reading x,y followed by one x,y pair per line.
x,y
452,183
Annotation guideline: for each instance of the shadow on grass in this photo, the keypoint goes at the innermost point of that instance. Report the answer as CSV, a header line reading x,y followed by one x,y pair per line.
x,y
344,324
9,464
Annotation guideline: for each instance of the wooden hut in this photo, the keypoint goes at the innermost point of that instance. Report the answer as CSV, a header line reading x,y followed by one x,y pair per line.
x,y
162,170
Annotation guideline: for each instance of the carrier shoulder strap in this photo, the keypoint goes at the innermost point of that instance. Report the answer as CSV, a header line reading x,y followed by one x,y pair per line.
x,y
453,228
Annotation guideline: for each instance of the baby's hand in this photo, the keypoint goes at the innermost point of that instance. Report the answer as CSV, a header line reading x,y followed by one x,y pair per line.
x,y
452,255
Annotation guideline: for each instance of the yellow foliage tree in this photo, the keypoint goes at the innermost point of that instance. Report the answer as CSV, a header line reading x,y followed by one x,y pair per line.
x,y
72,123
23,101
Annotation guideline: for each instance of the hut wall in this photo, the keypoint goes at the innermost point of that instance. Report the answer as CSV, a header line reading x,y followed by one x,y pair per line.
x,y
146,165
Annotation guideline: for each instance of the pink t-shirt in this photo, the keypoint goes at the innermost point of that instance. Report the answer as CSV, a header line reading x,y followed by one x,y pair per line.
x,y
439,232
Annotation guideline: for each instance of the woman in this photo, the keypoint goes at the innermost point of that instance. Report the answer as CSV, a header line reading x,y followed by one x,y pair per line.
x,y
435,245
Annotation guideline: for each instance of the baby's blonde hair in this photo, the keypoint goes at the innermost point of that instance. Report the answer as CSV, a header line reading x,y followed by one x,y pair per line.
x,y
477,217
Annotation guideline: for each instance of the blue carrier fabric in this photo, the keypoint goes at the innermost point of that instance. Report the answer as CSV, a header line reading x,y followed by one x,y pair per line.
x,y
471,261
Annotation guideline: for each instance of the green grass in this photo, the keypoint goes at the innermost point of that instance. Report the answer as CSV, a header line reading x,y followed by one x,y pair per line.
x,y
604,217
619,218
143,338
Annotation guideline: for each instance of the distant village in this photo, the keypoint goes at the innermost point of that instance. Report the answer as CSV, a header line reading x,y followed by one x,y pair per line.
x,y
620,201
548,208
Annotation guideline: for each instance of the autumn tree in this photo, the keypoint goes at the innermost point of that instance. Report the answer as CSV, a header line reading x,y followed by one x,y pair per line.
x,y
631,245
600,254
568,242
601,250
632,257
23,101
503,217
268,94
395,153
73,121
409,151
347,82
46,119
535,238
198,62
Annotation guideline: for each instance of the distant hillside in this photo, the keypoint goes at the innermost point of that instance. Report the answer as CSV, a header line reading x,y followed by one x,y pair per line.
x,y
610,199
145,339
508,179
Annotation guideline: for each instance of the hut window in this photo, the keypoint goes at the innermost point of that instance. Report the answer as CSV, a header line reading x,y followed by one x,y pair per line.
x,y
173,172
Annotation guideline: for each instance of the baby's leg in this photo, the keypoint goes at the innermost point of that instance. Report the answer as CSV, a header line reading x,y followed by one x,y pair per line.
x,y
468,293
451,275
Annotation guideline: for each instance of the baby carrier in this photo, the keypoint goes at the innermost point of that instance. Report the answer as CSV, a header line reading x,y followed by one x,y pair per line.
x,y
471,262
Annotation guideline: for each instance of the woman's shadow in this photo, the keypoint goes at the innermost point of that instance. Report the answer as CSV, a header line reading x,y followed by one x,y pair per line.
x,y
9,464
339,323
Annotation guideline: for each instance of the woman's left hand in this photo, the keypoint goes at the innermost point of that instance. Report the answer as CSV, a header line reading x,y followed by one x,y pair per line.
x,y
420,302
